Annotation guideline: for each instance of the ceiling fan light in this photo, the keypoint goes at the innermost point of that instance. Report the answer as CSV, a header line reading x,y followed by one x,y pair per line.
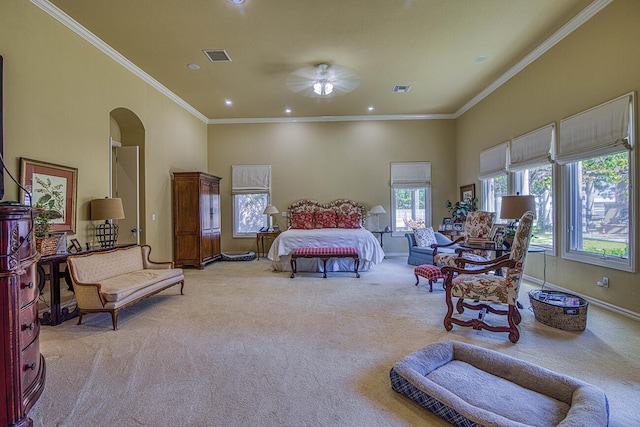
x,y
328,88
322,88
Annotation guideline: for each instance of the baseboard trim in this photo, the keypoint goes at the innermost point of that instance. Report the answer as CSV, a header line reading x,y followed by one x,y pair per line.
x,y
607,306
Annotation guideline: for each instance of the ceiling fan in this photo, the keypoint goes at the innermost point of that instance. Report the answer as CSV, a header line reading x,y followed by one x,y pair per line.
x,y
323,80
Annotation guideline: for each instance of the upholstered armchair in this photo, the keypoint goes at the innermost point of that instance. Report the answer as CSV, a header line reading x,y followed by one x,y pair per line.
x,y
477,224
422,253
486,290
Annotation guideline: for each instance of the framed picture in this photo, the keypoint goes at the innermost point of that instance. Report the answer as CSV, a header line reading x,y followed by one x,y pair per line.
x,y
468,192
447,224
50,187
458,226
497,230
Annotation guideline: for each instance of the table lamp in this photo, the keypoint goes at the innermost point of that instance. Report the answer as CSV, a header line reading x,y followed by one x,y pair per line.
x,y
377,210
270,210
513,207
107,209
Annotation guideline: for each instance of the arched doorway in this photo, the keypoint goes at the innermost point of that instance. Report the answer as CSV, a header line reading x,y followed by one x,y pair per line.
x,y
127,137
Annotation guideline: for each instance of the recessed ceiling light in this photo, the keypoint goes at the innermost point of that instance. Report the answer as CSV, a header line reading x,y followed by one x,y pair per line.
x,y
480,58
370,108
287,110
193,66
237,1
228,102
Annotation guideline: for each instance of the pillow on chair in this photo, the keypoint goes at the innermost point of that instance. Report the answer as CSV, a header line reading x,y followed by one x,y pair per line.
x,y
425,237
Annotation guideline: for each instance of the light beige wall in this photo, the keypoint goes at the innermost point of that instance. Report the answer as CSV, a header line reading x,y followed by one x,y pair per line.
x,y
333,160
596,63
59,91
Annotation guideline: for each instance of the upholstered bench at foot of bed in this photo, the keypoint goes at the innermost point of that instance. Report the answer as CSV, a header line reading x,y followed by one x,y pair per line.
x,y
324,254
429,272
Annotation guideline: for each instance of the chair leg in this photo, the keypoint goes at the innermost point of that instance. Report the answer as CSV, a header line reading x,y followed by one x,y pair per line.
x,y
417,279
430,285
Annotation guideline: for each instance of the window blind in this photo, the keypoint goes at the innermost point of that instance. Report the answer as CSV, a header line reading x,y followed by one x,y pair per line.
x,y
493,161
601,130
533,149
410,174
250,179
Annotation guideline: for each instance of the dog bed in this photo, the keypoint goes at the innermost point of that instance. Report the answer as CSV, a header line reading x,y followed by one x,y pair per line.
x,y
237,256
471,386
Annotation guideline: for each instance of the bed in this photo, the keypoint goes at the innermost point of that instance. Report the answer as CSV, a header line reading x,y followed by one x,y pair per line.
x,y
333,225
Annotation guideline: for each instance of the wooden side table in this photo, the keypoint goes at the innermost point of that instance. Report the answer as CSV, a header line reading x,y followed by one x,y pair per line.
x,y
381,233
260,236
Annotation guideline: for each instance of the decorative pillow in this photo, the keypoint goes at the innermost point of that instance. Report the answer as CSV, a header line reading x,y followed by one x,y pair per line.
x,y
425,237
351,220
325,219
302,220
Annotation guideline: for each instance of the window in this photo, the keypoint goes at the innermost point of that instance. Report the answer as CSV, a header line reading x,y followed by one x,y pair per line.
x,y
539,183
251,192
410,194
492,191
530,160
493,176
598,169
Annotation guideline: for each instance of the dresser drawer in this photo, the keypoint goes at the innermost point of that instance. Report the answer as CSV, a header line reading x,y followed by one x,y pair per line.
x,y
28,286
30,364
29,325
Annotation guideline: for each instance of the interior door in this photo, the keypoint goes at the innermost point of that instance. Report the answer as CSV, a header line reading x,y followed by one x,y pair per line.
x,y
127,186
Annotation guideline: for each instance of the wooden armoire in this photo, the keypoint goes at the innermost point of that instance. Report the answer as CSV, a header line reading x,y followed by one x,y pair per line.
x,y
22,380
196,218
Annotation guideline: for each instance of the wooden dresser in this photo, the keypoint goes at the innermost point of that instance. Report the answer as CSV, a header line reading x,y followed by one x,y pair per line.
x,y
23,375
196,218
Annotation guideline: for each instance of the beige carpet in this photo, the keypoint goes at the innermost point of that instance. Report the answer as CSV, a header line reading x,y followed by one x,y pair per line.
x,y
248,347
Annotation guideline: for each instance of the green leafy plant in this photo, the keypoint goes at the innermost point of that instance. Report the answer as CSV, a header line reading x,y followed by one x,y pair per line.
x,y
459,210
43,222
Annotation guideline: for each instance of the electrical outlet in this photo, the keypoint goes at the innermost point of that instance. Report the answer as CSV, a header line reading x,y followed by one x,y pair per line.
x,y
604,283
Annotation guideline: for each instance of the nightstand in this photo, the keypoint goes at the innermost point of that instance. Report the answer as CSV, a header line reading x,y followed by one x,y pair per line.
x,y
260,236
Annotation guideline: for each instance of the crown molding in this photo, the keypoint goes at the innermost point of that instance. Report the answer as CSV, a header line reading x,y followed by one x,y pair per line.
x,y
558,36
586,14
333,119
74,26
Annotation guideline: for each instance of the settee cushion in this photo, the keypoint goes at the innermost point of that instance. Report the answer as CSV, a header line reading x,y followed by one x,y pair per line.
x,y
120,287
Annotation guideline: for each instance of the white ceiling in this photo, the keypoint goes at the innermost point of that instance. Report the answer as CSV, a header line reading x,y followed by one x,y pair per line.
x,y
432,45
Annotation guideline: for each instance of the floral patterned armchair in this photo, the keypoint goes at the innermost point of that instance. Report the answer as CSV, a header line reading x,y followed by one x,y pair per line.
x,y
484,289
477,224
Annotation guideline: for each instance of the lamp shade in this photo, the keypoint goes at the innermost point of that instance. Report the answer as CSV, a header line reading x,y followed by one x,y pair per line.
x,y
107,209
513,207
377,209
270,210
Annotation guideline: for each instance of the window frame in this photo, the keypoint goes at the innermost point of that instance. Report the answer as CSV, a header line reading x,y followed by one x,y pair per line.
x,y
518,181
250,234
569,176
427,208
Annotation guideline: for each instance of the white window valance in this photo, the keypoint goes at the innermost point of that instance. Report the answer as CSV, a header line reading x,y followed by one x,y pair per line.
x,y
601,130
250,179
410,174
493,161
533,149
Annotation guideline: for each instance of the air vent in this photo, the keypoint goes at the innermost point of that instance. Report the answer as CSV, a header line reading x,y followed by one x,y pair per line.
x,y
401,88
217,55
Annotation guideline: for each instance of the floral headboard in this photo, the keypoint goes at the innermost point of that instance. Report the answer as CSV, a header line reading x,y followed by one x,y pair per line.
x,y
343,209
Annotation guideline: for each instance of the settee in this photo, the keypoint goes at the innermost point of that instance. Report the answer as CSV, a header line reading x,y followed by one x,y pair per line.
x,y
424,255
110,280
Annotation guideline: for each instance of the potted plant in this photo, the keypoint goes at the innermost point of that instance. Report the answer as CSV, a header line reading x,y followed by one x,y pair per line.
x,y
459,210
46,244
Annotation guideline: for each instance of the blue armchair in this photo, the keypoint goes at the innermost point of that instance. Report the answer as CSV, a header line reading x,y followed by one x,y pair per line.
x,y
419,256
